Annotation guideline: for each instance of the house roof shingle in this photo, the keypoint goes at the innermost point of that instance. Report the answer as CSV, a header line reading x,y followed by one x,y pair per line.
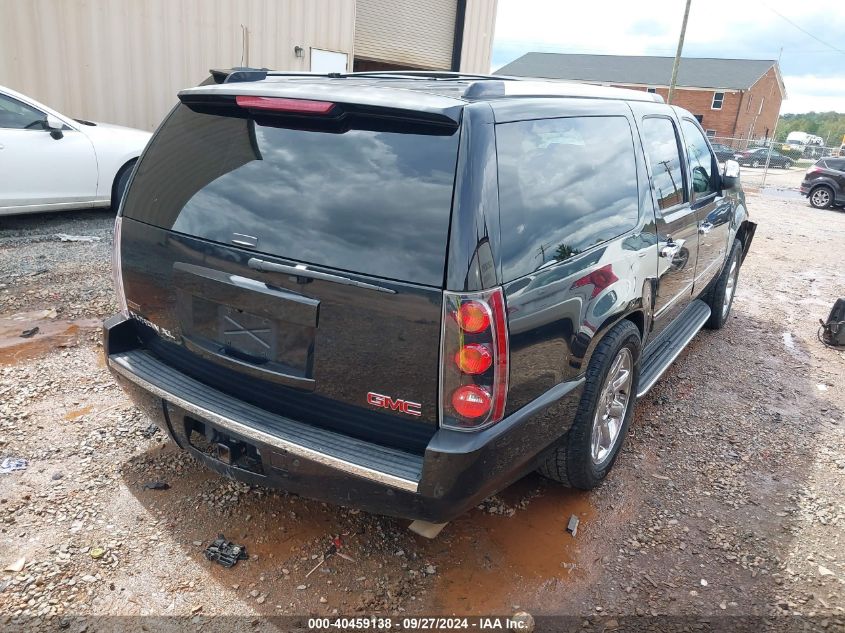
x,y
707,72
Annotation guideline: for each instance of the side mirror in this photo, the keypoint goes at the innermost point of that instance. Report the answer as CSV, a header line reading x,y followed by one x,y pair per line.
x,y
54,126
730,174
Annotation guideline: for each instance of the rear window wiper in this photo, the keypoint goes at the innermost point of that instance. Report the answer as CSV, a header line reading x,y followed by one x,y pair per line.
x,y
302,271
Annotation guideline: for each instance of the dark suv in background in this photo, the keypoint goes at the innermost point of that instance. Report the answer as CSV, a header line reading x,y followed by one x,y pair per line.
x,y
405,291
824,183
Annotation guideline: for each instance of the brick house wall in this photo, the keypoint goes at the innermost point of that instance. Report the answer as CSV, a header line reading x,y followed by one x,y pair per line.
x,y
740,115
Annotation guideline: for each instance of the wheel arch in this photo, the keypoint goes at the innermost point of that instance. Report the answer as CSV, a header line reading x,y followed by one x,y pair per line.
x,y
129,164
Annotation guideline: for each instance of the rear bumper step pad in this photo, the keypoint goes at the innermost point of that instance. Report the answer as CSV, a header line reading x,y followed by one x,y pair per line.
x,y
388,466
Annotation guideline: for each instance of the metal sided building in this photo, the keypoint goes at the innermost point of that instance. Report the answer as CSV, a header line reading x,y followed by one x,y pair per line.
x,y
123,61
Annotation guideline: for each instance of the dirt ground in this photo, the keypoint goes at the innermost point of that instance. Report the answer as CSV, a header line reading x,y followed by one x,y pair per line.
x,y
726,501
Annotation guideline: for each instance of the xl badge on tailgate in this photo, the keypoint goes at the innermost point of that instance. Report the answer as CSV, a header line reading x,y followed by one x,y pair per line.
x,y
386,402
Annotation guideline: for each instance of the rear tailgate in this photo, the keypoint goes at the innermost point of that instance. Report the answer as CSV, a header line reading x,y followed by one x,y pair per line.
x,y
297,262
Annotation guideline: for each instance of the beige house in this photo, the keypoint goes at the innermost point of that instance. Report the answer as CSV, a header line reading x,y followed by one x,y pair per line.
x,y
123,61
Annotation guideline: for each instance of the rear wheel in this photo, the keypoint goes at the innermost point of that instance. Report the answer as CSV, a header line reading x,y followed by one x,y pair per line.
x,y
589,450
787,164
821,197
755,163
721,296
120,183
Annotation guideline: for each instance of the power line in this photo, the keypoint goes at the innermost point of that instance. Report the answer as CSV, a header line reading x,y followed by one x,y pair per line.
x,y
804,31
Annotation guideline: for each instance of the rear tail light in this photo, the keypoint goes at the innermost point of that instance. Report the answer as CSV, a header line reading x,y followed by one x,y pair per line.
x,y
474,360
116,268
279,104
814,169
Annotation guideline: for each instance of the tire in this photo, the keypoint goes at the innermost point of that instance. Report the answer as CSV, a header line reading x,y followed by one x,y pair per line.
x,y
572,462
721,295
821,197
787,164
120,183
755,163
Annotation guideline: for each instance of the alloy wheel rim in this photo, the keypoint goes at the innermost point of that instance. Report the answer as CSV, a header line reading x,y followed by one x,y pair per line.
x,y
730,288
614,399
821,197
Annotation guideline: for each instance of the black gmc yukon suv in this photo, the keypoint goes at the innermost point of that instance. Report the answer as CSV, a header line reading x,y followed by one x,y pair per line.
x,y
405,291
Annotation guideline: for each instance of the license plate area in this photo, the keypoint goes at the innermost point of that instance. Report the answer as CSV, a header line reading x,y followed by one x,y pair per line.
x,y
247,336
257,329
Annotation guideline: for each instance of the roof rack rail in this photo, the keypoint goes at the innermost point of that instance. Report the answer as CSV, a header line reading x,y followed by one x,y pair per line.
x,y
429,74
531,87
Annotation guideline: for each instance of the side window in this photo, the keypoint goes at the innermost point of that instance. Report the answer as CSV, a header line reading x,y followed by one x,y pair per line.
x,y
661,147
19,116
718,99
700,161
564,185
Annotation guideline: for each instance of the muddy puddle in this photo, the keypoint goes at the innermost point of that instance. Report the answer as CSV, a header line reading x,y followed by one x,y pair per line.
x,y
489,563
43,333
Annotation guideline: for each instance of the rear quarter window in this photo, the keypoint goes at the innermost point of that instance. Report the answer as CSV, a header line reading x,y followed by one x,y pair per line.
x,y
565,185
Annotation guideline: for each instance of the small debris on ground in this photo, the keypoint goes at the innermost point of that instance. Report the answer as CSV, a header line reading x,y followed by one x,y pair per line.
x,y
150,431
156,485
57,476
96,552
30,332
11,464
17,565
333,549
572,526
64,237
225,552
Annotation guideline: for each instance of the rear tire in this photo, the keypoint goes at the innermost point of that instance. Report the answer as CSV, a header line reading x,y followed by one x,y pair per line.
x,y
721,296
580,461
120,183
821,197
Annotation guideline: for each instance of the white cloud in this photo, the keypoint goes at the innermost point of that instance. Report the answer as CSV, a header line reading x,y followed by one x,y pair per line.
x,y
814,73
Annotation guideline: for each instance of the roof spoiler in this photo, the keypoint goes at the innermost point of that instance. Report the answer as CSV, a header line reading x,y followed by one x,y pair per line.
x,y
234,75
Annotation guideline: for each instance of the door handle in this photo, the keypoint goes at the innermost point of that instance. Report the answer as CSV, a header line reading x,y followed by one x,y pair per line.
x,y
671,248
669,251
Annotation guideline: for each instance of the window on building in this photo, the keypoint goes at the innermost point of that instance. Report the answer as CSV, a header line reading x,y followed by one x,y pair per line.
x,y
762,101
565,185
651,89
700,161
718,98
660,139
711,133
749,102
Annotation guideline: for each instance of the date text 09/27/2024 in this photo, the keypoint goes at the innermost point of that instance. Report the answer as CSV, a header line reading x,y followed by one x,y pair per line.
x,y
519,622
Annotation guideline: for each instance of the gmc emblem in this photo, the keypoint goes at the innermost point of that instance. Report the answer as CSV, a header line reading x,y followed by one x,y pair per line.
x,y
386,402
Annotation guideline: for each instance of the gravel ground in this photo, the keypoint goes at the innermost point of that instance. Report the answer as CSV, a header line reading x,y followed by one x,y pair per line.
x,y
726,501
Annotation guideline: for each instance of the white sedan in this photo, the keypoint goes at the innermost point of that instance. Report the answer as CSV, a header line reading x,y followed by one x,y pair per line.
x,y
50,162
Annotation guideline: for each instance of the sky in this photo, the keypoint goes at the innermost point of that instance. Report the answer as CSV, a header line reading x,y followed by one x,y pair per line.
x,y
813,70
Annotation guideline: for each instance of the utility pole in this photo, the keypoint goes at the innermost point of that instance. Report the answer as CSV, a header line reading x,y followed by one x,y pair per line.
x,y
774,132
678,53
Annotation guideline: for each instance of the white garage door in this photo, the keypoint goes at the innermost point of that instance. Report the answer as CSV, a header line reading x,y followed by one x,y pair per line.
x,y
408,33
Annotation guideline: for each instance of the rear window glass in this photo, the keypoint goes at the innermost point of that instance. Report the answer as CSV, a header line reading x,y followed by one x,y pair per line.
x,y
362,200
564,185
